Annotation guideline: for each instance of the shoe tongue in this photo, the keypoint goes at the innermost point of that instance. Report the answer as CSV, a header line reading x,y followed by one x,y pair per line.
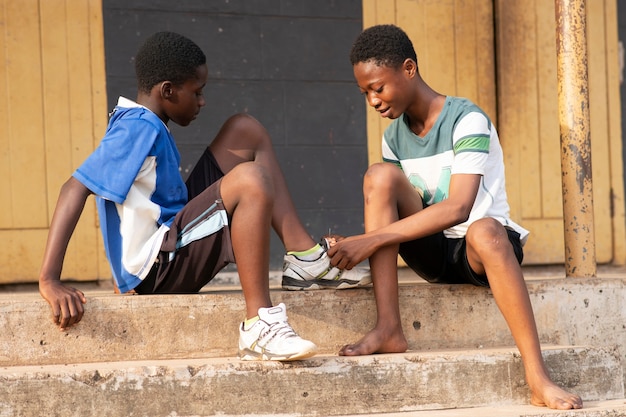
x,y
273,314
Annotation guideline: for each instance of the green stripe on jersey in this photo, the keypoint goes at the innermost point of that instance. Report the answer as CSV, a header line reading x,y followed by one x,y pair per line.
x,y
473,143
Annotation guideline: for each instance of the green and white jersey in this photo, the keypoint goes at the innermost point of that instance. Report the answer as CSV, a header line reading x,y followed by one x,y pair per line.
x,y
462,141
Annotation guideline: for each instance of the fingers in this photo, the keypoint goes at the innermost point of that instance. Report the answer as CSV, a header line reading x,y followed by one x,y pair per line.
x,y
338,258
68,310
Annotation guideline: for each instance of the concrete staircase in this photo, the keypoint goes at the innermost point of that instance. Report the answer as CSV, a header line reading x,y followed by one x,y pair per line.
x,y
176,355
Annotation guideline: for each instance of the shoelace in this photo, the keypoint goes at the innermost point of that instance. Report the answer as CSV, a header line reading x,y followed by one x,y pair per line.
x,y
279,328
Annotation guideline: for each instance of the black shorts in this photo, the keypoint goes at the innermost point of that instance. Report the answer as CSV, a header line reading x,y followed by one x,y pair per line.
x,y
443,260
198,244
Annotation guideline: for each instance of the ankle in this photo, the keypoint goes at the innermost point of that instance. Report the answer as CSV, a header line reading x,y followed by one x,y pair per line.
x,y
310,254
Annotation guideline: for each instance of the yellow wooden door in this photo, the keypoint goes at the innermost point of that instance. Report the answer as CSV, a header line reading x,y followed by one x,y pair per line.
x,y
529,127
52,113
509,69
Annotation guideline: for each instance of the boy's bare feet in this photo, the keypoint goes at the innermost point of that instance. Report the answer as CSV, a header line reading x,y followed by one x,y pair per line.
x,y
552,396
377,341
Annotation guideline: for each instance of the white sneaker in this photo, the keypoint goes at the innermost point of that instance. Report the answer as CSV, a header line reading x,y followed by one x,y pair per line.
x,y
272,338
317,274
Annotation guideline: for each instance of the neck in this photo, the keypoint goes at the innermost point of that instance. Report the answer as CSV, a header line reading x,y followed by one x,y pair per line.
x,y
424,113
148,101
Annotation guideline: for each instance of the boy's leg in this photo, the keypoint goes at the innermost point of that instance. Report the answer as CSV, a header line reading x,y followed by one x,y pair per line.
x,y
306,266
247,193
243,139
388,196
490,253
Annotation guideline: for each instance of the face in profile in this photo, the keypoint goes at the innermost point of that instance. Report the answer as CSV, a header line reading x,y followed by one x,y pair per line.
x,y
386,89
187,99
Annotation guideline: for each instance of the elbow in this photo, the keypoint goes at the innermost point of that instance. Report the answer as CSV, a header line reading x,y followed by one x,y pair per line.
x,y
461,214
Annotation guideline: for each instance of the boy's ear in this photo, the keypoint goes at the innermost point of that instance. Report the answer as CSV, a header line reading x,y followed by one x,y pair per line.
x,y
410,67
166,90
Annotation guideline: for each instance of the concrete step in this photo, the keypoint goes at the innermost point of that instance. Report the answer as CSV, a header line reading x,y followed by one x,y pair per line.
x,y
609,408
585,312
320,386
176,355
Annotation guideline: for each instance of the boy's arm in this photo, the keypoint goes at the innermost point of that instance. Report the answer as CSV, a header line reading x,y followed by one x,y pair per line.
x,y
66,302
349,252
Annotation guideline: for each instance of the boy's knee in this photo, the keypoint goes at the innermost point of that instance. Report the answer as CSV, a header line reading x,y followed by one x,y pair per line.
x,y
253,178
244,124
380,174
487,235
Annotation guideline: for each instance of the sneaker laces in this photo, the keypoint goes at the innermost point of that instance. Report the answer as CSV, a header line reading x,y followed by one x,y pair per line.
x,y
276,329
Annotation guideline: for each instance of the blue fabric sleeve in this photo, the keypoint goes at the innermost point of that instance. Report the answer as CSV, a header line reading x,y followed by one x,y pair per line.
x,y
111,169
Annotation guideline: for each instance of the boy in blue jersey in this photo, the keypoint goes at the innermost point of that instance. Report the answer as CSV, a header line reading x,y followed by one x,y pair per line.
x,y
165,235
439,201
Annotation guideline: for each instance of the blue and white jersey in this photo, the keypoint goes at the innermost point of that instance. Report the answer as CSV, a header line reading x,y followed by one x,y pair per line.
x,y
462,141
135,175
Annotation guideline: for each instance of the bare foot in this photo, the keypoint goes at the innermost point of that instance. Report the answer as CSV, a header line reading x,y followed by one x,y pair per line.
x,y
552,396
377,341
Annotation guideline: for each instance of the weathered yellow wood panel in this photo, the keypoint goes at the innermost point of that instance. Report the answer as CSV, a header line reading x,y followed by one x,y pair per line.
x,y
551,201
6,205
545,244
22,257
615,134
518,126
600,135
56,54
57,119
474,54
528,103
99,103
84,244
24,128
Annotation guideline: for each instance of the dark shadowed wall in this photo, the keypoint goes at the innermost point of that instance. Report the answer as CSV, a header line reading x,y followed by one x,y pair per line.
x,y
286,63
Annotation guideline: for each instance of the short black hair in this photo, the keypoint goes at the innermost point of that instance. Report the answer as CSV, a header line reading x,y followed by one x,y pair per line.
x,y
167,56
386,45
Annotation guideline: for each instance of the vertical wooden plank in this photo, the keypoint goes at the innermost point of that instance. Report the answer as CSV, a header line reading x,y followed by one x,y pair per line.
x,y
528,132
511,97
517,103
56,78
25,124
440,40
547,116
474,53
84,248
466,50
99,108
6,205
485,58
615,134
598,110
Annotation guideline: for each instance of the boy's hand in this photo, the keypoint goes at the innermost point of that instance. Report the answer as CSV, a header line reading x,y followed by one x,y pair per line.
x,y
346,253
66,302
